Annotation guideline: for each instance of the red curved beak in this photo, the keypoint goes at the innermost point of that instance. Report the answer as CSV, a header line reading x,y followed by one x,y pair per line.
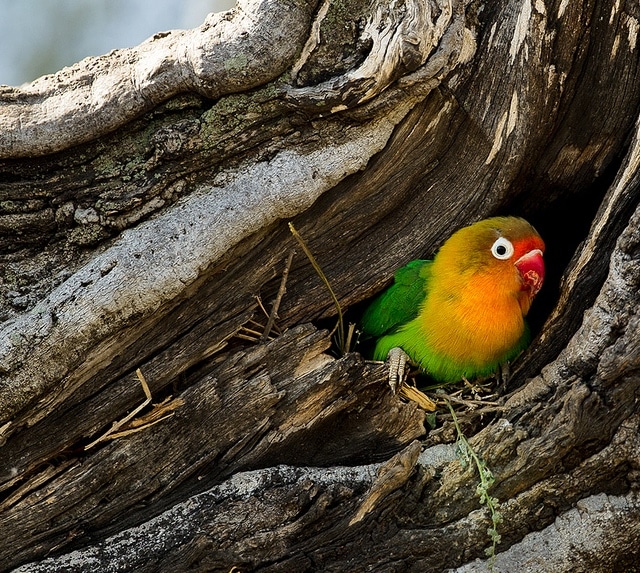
x,y
531,267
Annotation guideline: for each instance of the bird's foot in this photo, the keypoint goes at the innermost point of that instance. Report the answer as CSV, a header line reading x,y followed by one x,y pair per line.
x,y
397,360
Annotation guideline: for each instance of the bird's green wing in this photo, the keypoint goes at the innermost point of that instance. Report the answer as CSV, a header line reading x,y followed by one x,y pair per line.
x,y
400,303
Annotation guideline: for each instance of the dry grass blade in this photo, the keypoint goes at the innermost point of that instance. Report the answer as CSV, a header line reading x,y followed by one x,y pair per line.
x,y
323,277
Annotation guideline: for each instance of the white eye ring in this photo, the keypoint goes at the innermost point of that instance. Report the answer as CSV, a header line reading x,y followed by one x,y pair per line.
x,y
502,249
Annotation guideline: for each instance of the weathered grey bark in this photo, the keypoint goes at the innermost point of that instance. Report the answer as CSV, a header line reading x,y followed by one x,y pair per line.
x,y
145,197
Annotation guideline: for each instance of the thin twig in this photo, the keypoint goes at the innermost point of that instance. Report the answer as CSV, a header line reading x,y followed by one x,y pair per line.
x,y
278,300
262,308
475,412
350,331
258,326
250,331
247,337
468,403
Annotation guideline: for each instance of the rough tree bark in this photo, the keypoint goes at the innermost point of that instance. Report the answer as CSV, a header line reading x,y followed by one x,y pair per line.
x,y
145,197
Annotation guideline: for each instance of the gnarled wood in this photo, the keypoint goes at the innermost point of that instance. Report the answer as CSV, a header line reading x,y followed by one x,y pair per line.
x,y
231,52
148,232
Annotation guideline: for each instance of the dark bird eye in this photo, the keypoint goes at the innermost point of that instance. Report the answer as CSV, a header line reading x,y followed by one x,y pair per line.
x,y
502,249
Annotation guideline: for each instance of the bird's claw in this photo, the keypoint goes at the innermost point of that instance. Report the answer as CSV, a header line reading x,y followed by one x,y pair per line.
x,y
397,359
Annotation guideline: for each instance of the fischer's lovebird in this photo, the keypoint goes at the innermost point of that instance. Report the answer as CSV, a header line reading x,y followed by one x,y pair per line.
x,y
461,315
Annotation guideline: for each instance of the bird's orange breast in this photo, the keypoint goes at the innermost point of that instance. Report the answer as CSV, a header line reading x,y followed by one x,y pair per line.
x,y
477,321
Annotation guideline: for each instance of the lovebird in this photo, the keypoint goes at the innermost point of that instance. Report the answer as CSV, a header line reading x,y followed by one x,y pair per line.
x,y
460,315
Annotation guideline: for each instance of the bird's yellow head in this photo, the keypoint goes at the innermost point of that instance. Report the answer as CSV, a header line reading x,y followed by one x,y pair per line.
x,y
504,253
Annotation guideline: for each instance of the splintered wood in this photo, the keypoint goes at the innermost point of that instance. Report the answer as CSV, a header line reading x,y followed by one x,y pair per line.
x,y
128,425
412,393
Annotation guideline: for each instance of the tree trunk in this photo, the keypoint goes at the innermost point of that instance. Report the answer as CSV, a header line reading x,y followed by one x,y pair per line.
x,y
145,202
